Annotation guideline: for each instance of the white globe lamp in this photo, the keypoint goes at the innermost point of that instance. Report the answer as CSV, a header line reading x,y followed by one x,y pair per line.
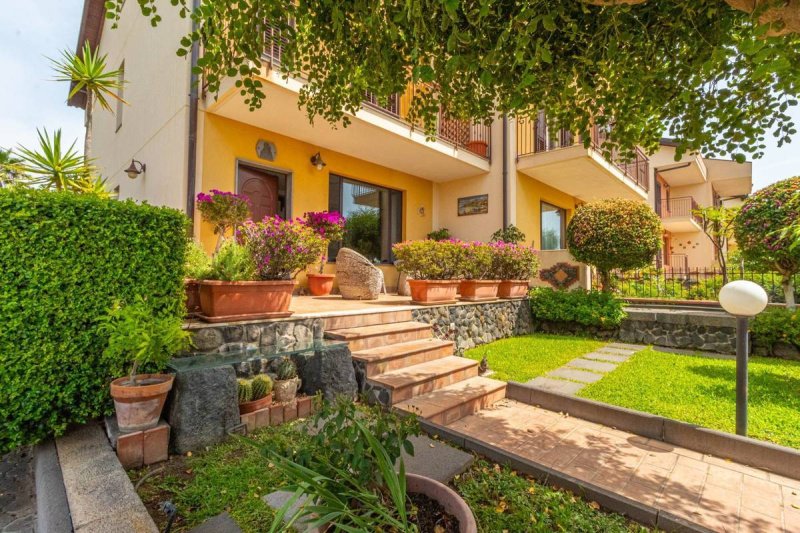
x,y
743,299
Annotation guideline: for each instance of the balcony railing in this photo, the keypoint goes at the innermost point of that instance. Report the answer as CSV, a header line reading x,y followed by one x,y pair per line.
x,y
683,206
534,136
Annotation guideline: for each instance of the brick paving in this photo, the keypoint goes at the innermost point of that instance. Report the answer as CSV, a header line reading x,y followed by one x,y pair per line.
x,y
717,494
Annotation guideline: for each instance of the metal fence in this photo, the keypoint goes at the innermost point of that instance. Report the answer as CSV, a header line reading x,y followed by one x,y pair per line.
x,y
693,283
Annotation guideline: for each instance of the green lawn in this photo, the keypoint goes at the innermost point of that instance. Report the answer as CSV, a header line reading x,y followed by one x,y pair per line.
x,y
702,391
524,358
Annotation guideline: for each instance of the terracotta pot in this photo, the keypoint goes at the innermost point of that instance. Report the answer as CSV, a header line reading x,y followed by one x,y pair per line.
x,y
448,498
139,407
286,390
255,405
513,288
478,147
433,292
320,284
192,289
224,301
477,290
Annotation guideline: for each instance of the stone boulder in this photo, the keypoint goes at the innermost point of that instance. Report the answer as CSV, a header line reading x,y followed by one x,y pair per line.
x,y
329,371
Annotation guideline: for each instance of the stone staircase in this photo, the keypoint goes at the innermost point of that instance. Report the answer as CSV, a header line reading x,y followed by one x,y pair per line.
x,y
405,366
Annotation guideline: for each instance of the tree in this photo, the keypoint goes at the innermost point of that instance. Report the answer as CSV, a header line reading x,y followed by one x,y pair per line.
x,y
10,169
614,234
760,227
719,75
717,224
87,72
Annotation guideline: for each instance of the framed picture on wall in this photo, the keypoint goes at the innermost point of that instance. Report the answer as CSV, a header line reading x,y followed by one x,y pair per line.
x,y
473,205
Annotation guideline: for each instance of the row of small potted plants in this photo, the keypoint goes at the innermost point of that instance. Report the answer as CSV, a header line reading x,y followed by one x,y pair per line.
x,y
440,270
257,393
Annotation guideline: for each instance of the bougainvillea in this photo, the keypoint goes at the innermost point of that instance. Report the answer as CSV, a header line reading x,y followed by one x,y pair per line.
x,y
513,261
329,225
614,234
759,231
223,210
476,260
280,248
429,260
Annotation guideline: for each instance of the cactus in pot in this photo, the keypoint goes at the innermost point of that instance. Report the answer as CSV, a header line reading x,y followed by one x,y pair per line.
x,y
245,391
254,394
286,383
262,386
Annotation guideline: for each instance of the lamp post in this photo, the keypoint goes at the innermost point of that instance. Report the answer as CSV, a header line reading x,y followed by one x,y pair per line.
x,y
744,300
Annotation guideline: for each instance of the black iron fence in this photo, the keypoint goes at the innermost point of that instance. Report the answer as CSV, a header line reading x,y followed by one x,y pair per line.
x,y
694,283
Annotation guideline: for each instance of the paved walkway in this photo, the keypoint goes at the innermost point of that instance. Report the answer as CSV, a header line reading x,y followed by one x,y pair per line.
x,y
718,494
589,368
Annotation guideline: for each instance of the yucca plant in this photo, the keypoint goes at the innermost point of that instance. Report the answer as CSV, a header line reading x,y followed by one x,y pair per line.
x,y
87,72
50,166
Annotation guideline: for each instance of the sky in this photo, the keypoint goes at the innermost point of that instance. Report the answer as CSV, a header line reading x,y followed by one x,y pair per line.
x,y
36,29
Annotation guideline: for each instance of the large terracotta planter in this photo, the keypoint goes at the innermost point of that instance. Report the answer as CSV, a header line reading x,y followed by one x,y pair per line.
x,y
433,292
286,390
139,407
480,148
516,288
255,405
448,498
225,301
478,290
320,284
192,289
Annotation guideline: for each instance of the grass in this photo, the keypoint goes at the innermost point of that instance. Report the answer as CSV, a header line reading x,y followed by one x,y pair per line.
x,y
529,356
234,476
702,391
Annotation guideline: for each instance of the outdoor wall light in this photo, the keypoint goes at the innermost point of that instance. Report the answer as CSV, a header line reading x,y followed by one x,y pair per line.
x,y
743,299
317,161
135,169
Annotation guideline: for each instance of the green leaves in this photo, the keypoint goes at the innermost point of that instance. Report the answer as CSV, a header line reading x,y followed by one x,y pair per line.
x,y
588,308
87,72
52,167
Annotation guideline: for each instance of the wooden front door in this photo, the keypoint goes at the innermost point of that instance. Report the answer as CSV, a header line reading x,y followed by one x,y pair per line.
x,y
262,187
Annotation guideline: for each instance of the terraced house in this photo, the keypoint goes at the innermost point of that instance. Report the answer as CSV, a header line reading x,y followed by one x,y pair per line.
x,y
472,179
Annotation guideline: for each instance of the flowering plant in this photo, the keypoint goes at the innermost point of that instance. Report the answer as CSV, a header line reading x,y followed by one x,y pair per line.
x,y
476,260
329,225
224,210
429,260
280,248
513,261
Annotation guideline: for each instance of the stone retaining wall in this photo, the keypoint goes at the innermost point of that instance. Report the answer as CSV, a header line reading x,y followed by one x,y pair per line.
x,y
210,338
710,331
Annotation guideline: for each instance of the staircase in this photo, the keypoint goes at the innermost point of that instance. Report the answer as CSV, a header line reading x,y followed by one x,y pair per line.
x,y
406,367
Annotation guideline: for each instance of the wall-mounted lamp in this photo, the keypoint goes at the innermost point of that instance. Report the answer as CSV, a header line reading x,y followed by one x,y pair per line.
x,y
317,161
135,169
421,211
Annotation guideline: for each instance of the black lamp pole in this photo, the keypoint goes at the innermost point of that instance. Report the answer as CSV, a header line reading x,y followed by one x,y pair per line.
x,y
742,349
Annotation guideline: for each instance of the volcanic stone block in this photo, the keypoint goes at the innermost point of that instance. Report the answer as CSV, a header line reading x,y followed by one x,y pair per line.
x,y
330,371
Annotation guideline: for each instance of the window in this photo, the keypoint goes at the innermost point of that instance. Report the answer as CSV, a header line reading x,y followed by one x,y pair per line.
x,y
120,94
554,220
373,215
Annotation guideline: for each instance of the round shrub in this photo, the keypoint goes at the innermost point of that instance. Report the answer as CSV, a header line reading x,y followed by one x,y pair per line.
x,y
758,230
476,260
513,261
429,260
614,234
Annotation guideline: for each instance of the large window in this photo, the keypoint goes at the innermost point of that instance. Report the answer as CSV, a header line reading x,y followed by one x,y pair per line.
x,y
554,223
374,217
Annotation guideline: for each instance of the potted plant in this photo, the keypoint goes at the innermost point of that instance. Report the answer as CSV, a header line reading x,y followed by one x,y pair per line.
x,y
286,381
477,283
142,337
433,267
197,266
254,394
253,276
330,227
226,211
514,265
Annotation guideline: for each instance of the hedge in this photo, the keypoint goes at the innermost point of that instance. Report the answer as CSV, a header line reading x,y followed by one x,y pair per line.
x,y
587,308
64,260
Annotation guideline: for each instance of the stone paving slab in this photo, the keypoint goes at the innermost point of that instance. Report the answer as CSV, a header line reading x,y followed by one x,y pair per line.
x,y
279,498
595,366
715,493
436,459
557,385
618,351
222,523
572,374
600,356
626,346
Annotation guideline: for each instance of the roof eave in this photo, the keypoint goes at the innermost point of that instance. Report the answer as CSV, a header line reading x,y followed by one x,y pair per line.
x,y
94,12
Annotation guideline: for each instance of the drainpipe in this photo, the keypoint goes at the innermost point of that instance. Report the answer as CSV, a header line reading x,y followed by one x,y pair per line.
x,y
505,172
194,96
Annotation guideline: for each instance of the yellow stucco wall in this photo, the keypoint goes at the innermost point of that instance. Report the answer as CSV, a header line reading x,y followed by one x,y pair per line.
x,y
530,194
226,141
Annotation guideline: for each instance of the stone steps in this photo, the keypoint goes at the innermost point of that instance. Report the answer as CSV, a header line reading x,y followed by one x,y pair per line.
x,y
365,337
371,318
411,381
394,356
448,404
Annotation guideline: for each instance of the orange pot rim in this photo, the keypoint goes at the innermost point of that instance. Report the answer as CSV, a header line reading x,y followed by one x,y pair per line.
x,y
482,281
121,391
514,281
217,282
438,281
316,275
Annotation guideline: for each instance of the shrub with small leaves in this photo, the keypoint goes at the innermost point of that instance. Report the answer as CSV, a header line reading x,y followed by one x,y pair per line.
x,y
510,234
429,260
441,234
198,264
245,387
261,385
589,308
286,369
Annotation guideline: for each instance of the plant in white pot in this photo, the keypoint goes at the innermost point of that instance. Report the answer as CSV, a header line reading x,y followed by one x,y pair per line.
x,y
141,337
286,381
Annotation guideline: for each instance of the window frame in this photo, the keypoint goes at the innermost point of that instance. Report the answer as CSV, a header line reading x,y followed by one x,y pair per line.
x,y
563,230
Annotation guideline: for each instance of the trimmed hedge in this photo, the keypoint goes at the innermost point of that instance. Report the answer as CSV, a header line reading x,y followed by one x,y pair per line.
x,y
64,260
588,308
776,325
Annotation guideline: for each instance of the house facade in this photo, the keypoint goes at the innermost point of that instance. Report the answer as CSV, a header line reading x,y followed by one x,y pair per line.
x,y
472,179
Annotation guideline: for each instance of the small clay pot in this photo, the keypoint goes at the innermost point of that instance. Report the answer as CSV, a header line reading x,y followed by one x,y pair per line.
x,y
449,499
320,284
139,407
255,405
433,292
514,288
478,290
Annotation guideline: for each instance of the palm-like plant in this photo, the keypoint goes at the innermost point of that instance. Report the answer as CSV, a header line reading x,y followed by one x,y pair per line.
x,y
87,72
50,166
11,172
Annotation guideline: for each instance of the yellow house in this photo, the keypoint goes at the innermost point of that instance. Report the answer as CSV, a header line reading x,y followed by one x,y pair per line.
x,y
472,179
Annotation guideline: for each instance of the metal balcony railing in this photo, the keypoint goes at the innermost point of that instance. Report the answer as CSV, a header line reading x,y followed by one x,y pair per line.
x,y
683,206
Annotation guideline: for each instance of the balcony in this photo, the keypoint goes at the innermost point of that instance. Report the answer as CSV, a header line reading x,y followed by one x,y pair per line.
x,y
559,159
677,214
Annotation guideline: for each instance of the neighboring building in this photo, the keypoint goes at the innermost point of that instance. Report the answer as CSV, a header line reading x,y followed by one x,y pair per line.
x,y
468,180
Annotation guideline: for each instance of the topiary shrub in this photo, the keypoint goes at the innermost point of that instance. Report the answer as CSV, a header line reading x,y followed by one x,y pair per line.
x,y
65,259
759,232
614,234
588,308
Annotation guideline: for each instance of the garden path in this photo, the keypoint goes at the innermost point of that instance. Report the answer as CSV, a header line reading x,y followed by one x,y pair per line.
x,y
589,368
718,494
